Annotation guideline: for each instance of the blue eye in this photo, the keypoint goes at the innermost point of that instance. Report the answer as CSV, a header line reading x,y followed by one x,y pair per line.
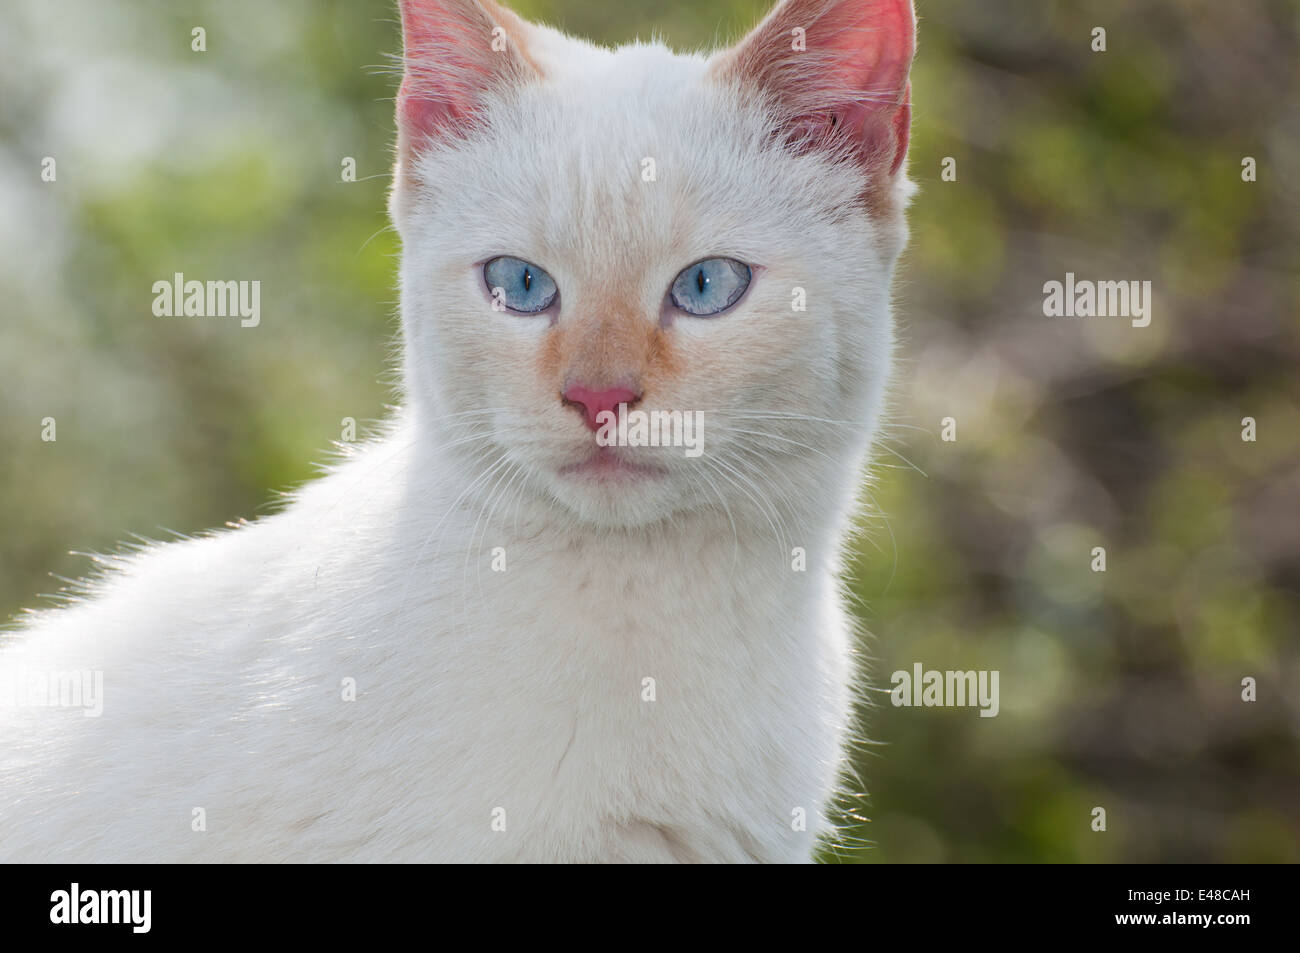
x,y
710,286
519,285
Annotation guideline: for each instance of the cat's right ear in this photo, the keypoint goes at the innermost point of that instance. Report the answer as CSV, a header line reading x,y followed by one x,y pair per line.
x,y
455,53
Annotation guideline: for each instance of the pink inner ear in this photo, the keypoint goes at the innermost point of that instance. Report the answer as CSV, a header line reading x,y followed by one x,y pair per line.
x,y
902,129
850,84
449,64
877,43
423,113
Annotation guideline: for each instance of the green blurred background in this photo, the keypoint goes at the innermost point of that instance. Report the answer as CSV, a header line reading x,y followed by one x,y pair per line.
x,y
1119,689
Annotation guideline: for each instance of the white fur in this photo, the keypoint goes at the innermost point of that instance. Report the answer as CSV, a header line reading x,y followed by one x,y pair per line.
x,y
223,657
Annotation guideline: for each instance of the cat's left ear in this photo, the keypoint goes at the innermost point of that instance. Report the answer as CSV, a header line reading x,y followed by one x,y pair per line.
x,y
837,70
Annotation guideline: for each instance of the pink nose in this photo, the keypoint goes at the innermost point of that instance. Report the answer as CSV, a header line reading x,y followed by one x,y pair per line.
x,y
591,403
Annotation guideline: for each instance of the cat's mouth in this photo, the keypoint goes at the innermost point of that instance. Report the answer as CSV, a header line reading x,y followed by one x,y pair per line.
x,y
603,464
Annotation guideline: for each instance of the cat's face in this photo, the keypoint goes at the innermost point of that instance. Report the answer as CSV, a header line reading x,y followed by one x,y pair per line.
x,y
586,228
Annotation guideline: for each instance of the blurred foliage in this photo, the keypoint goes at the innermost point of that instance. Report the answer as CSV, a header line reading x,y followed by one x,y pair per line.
x,y
1119,690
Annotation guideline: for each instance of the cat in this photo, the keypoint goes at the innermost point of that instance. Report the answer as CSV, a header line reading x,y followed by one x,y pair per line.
x,y
489,634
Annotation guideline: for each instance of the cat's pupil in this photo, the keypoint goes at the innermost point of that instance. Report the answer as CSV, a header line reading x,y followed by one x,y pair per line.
x,y
528,280
700,280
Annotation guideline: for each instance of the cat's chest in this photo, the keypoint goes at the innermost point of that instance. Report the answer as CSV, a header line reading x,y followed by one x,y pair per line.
x,y
591,615
574,684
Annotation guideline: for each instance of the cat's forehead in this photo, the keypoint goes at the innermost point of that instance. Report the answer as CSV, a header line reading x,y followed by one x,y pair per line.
x,y
623,154
633,95
563,60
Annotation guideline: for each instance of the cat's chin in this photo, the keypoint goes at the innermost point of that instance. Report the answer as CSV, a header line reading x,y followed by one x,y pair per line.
x,y
607,489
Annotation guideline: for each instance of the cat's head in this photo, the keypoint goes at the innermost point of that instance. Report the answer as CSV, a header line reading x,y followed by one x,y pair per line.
x,y
638,230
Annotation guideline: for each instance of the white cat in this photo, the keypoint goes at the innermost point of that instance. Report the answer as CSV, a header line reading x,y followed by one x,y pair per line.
x,y
484,637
